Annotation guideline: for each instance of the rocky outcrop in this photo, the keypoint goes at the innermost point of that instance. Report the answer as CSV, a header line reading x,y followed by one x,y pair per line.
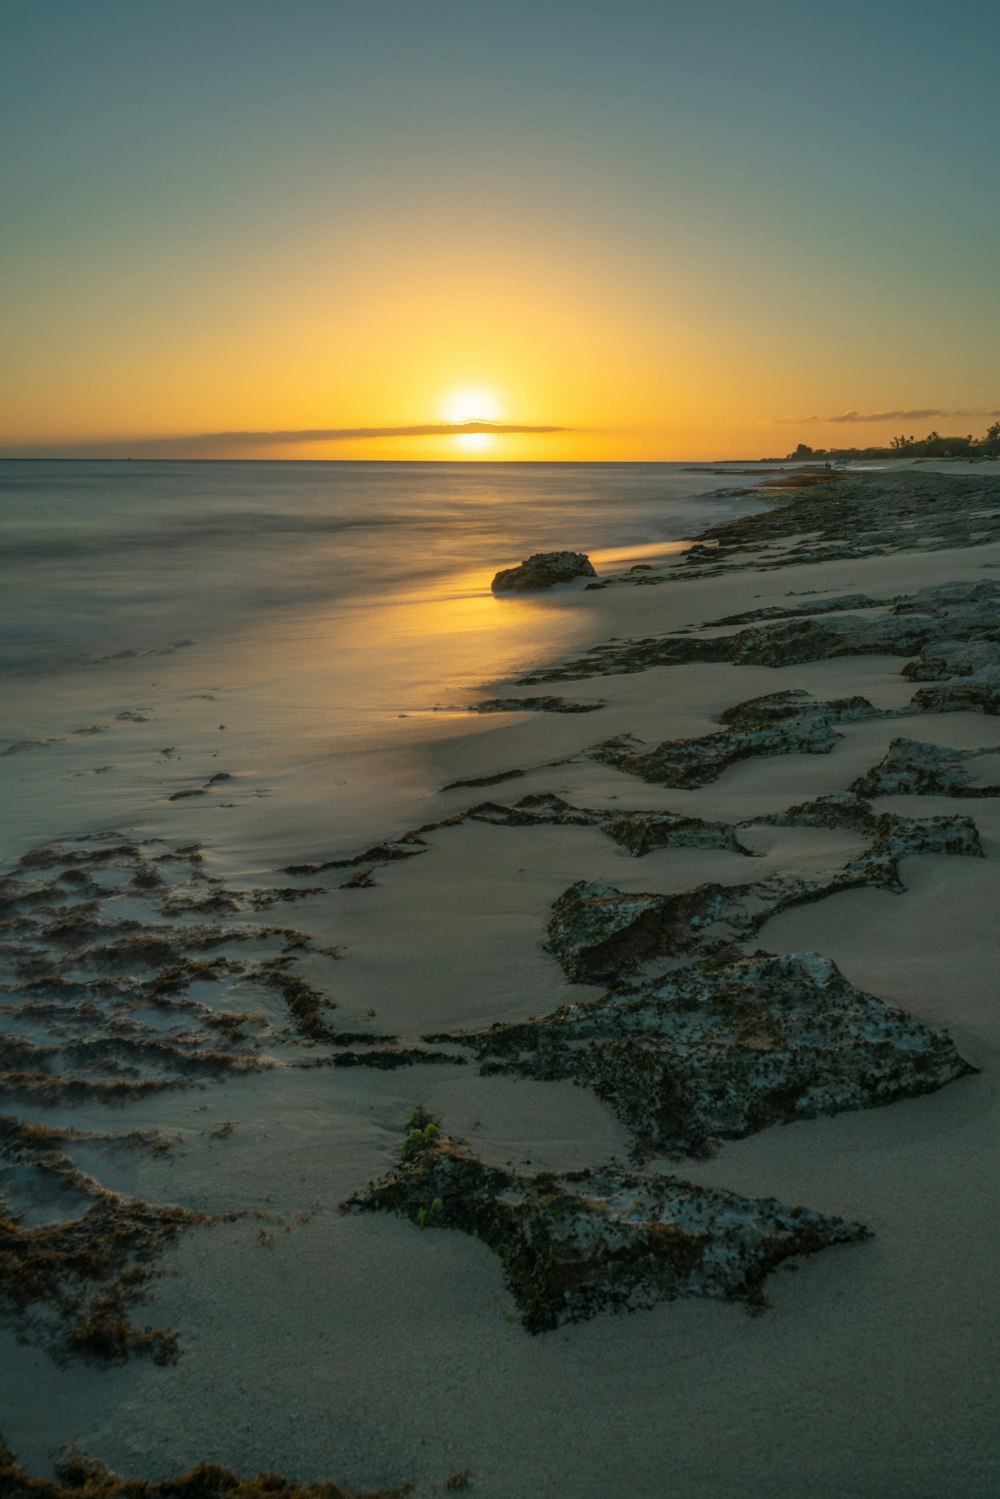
x,y
637,832
911,768
955,612
533,705
841,809
720,1051
954,658
979,693
864,515
576,1244
601,935
966,674
835,605
780,724
900,837
543,570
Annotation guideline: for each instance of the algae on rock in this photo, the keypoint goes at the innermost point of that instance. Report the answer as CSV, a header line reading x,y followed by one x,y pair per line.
x,y
724,1050
601,935
910,767
778,724
579,1243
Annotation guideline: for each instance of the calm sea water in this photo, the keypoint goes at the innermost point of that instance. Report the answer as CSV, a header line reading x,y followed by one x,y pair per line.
x,y
312,629
98,556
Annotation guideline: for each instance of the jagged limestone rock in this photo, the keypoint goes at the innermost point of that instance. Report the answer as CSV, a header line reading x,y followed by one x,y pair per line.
x,y
779,723
898,837
917,769
696,762
966,673
533,705
576,1244
791,642
979,693
953,658
952,612
542,570
768,612
642,832
637,832
724,1050
601,935
605,936
782,707
841,809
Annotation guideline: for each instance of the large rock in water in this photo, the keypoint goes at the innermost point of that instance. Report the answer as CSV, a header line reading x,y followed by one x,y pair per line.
x,y
542,570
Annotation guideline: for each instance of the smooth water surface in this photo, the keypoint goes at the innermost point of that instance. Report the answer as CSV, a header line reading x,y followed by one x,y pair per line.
x,y
304,626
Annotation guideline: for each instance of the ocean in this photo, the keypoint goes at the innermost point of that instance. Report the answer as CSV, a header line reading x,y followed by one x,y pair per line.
x,y
316,608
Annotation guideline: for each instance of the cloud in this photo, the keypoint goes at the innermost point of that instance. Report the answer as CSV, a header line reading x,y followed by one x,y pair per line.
x,y
915,414
350,434
205,444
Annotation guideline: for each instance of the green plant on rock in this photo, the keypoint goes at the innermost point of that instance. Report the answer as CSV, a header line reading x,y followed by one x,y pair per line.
x,y
422,1131
426,1216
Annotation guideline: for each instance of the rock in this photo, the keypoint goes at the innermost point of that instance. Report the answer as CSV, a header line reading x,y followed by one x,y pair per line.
x,y
967,674
575,1244
953,658
841,809
952,613
916,769
696,762
386,1058
848,601
779,723
493,780
637,832
642,832
898,837
724,1050
772,707
975,694
601,935
533,705
542,570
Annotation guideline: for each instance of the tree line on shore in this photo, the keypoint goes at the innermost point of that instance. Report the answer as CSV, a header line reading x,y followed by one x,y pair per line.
x,y
903,446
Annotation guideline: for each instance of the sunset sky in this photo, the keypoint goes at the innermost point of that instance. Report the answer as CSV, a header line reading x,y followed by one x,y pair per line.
x,y
668,230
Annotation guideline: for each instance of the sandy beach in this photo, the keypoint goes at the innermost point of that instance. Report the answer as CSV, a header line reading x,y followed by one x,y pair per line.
x,y
664,1041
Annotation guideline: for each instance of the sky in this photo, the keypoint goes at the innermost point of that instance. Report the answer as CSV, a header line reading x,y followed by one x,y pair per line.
x,y
315,229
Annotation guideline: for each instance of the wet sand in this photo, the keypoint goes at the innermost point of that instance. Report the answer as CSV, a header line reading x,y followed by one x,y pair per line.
x,y
254,1041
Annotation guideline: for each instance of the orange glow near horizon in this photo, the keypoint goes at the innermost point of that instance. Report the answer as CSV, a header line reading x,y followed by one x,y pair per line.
x,y
649,371
474,442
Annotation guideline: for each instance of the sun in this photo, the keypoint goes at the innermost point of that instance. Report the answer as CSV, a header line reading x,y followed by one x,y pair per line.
x,y
472,406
